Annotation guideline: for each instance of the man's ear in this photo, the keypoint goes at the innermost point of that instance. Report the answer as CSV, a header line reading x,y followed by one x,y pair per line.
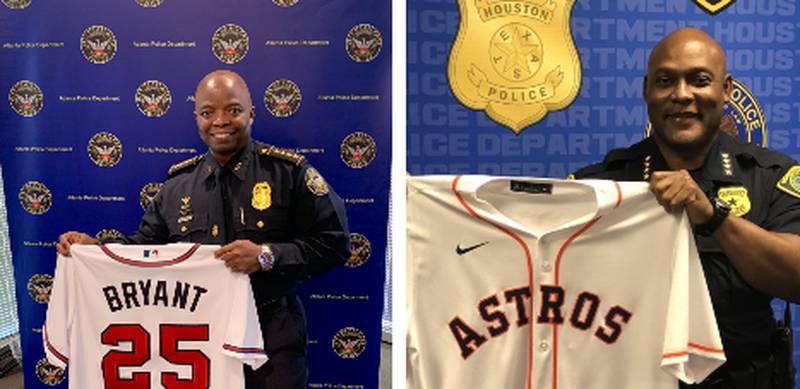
x,y
727,87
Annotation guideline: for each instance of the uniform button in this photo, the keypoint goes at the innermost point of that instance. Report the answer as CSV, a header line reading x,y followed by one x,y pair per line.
x,y
544,346
546,267
184,228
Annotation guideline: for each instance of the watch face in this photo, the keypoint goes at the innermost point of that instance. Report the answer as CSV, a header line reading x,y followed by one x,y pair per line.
x,y
719,203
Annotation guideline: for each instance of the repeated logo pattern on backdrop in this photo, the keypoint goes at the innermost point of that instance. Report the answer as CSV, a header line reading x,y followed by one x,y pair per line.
x,y
100,105
448,133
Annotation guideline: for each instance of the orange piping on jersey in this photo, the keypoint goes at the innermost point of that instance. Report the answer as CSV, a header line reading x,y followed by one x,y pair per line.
x,y
675,354
558,282
528,258
134,262
705,348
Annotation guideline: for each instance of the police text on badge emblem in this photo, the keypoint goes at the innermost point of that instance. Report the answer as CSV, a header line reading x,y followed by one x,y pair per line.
x,y
515,59
262,196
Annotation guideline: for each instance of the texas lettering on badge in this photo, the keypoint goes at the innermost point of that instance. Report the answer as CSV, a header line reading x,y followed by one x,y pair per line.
x,y
515,59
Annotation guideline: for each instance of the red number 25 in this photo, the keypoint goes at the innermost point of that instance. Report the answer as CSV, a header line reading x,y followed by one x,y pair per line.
x,y
170,335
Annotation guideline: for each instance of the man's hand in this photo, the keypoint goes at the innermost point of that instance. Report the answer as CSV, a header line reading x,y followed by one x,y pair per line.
x,y
676,191
240,256
73,237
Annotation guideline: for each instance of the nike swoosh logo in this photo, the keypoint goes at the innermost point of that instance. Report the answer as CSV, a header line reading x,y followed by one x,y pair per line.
x,y
465,250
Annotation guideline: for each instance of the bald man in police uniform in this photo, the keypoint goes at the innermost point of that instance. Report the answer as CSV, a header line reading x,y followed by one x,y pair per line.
x,y
743,200
273,213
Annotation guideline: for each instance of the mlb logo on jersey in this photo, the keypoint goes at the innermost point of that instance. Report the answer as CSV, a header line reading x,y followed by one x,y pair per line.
x,y
150,253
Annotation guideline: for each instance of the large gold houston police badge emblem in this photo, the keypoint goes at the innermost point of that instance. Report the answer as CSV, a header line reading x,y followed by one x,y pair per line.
x,y
516,59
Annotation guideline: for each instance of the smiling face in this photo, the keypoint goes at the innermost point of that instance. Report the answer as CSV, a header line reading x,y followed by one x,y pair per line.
x,y
224,113
686,89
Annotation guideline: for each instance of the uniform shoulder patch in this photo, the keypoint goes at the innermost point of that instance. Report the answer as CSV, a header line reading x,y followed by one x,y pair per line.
x,y
277,152
315,183
180,166
790,182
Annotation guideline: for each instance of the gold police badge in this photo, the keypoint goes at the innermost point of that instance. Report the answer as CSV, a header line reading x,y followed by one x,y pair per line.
x,y
790,182
713,7
349,342
39,287
736,197
98,44
363,42
149,3
104,149
285,3
262,196
35,198
282,98
48,373
357,150
17,4
315,183
26,98
153,98
108,233
148,193
230,43
516,59
360,249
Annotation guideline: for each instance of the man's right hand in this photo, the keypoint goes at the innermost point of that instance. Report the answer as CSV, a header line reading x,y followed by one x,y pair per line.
x,y
73,237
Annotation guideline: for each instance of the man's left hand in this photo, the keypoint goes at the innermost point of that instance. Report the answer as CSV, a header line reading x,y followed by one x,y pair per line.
x,y
677,190
240,256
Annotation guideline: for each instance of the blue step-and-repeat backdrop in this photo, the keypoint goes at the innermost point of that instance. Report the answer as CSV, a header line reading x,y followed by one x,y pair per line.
x,y
99,105
461,121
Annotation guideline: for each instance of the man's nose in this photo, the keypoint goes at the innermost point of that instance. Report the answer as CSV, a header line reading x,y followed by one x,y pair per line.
x,y
682,92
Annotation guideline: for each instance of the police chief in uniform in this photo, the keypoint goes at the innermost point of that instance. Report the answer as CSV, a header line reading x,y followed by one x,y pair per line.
x,y
273,213
742,200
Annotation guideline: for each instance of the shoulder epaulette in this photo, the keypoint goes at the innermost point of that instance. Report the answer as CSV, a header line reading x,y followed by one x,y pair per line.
x,y
272,151
763,156
174,169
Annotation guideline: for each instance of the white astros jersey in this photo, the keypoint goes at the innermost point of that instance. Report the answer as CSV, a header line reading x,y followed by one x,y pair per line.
x,y
168,316
520,283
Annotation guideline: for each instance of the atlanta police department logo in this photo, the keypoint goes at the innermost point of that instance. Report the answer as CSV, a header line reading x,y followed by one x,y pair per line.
x,y
713,7
230,43
285,3
108,233
153,98
98,44
363,42
35,198
149,3
48,373
148,193
17,4
358,150
26,98
39,287
282,98
349,342
360,249
105,149
743,117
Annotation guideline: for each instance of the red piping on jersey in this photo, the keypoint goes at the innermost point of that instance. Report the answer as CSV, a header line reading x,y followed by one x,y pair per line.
x,y
243,350
528,258
135,262
53,349
557,282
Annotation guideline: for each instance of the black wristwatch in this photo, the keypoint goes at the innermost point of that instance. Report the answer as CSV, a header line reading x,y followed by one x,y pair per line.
x,y
721,211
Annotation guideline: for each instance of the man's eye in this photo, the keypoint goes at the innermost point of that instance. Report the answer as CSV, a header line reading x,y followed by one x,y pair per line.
x,y
235,111
702,81
663,80
205,114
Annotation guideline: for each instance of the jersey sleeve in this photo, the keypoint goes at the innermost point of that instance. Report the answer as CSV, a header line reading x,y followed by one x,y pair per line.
x,y
692,346
243,338
57,326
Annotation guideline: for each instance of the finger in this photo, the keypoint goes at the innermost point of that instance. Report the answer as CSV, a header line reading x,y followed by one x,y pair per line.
x,y
223,250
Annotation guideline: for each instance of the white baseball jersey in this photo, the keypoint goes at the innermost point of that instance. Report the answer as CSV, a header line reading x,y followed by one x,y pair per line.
x,y
521,283
168,316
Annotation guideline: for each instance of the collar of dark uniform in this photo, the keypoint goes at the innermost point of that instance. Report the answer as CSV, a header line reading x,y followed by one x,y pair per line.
x,y
721,165
237,165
